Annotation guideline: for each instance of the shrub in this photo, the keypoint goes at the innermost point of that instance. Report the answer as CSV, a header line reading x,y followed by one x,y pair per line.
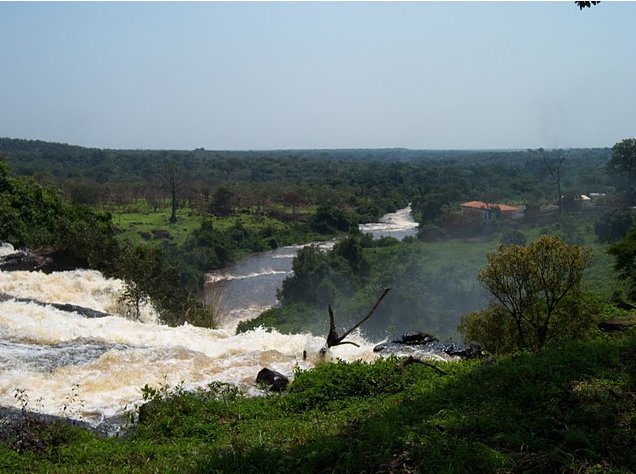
x,y
536,287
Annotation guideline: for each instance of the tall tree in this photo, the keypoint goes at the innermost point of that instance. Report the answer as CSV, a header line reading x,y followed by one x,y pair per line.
x,y
174,181
623,161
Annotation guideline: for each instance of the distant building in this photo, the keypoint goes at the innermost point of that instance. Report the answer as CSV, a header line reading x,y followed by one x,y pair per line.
x,y
598,197
488,211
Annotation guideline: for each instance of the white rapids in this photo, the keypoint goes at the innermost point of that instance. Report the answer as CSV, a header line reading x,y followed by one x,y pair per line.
x,y
97,367
396,224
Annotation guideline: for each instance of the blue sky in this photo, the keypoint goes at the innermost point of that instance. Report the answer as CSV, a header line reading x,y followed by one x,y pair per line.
x,y
285,75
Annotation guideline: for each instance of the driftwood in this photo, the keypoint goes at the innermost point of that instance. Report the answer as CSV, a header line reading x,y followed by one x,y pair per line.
x,y
334,340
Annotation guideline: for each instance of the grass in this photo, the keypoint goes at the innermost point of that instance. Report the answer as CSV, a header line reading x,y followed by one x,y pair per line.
x,y
134,221
567,408
133,225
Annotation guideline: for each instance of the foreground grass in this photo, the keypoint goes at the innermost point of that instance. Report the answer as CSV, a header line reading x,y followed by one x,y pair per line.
x,y
565,409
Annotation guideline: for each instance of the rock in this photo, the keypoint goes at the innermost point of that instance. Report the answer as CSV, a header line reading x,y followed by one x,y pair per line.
x,y
81,310
275,381
416,337
465,351
417,341
67,307
616,325
44,259
23,261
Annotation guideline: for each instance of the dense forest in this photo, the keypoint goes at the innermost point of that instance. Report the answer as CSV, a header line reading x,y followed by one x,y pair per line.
x,y
361,180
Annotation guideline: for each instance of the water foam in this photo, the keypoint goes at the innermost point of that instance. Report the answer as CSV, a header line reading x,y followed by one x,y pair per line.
x,y
97,367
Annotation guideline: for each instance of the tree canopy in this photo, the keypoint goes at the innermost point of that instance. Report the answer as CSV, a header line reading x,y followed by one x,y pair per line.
x,y
535,286
623,161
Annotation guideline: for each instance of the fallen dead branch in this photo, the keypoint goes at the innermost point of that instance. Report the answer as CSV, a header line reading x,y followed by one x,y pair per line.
x,y
334,340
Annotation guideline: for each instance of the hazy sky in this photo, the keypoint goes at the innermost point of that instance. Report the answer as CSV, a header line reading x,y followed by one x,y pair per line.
x,y
318,75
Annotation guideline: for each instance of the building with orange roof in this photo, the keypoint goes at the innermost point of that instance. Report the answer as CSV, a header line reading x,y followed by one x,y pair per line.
x,y
488,210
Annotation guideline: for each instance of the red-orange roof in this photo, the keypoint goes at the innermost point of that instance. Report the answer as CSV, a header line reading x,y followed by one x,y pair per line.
x,y
483,205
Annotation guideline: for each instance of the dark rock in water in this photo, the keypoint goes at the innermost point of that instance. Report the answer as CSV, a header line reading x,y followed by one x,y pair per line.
x,y
416,337
23,261
415,342
465,351
69,308
275,381
45,259
15,422
81,310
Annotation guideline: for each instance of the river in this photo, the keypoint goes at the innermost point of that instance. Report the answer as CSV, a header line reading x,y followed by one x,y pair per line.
x,y
247,288
94,369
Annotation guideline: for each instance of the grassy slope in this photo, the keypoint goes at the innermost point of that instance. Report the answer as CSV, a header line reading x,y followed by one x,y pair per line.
x,y
566,409
133,221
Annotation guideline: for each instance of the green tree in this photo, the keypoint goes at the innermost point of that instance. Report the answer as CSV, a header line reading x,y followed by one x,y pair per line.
x,y
613,225
624,252
222,202
623,161
535,286
174,181
330,219
137,268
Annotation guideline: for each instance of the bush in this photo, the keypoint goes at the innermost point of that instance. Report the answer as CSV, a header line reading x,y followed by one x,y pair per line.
x,y
513,237
613,226
537,287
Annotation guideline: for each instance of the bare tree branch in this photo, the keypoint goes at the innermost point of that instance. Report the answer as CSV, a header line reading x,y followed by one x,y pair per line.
x,y
334,340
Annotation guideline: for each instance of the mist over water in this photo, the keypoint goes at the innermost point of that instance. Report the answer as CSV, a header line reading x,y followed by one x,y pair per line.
x,y
97,367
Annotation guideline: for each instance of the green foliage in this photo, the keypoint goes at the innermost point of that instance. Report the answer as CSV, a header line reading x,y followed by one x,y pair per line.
x,y
624,252
28,211
318,277
613,225
513,237
222,202
32,215
565,408
492,327
292,318
623,161
330,219
331,383
536,286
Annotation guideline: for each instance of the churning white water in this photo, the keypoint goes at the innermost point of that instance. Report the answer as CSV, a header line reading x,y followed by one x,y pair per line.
x,y
398,224
94,369
97,367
